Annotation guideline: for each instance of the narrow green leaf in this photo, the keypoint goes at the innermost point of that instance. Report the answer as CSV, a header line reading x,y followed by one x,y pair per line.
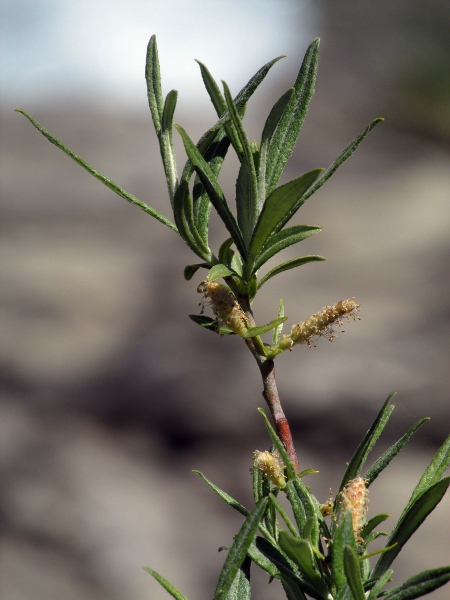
x,y
240,588
191,270
260,329
434,471
225,497
279,328
279,207
291,121
108,182
409,522
166,143
359,458
240,102
372,523
391,453
153,79
419,585
166,585
300,551
351,568
343,537
277,504
290,264
268,131
282,240
290,470
219,271
246,202
212,187
211,324
379,585
182,211
238,550
304,508
341,159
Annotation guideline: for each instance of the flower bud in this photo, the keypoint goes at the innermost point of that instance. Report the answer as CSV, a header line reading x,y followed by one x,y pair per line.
x,y
225,307
272,467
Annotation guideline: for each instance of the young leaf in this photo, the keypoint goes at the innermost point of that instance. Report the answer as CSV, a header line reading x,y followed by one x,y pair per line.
x,y
182,211
305,511
409,522
391,453
291,121
238,550
153,79
219,271
212,187
419,585
260,329
279,328
351,568
211,324
343,537
379,585
372,523
166,585
282,240
166,143
247,200
359,458
240,588
191,270
108,182
283,201
341,159
268,131
300,551
434,471
290,264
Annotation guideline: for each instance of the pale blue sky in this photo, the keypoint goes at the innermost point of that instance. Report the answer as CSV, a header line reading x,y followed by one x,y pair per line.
x,y
95,49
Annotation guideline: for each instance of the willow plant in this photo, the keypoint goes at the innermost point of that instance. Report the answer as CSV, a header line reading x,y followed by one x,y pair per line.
x,y
320,550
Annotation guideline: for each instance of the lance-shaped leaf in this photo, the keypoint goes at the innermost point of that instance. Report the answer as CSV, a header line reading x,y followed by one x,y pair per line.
x,y
434,471
291,121
105,180
260,329
341,158
379,584
284,200
290,264
240,588
352,572
238,550
166,585
279,328
268,131
372,523
191,270
391,453
219,271
211,324
162,115
409,522
212,187
240,102
282,240
306,512
182,211
419,585
359,458
300,551
343,537
247,192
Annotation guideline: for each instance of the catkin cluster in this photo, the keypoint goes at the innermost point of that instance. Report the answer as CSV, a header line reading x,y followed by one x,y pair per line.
x,y
320,324
224,305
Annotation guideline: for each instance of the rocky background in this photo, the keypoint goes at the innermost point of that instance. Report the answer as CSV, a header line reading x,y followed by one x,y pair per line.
x,y
112,396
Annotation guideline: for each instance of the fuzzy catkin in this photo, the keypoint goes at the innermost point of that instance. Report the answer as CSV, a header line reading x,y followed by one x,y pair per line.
x,y
224,306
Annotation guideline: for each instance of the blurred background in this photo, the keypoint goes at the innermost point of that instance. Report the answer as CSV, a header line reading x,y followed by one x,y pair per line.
x,y
110,394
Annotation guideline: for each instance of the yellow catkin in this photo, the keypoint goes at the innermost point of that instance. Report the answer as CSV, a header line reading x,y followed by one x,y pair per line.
x,y
320,324
225,306
272,467
355,496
